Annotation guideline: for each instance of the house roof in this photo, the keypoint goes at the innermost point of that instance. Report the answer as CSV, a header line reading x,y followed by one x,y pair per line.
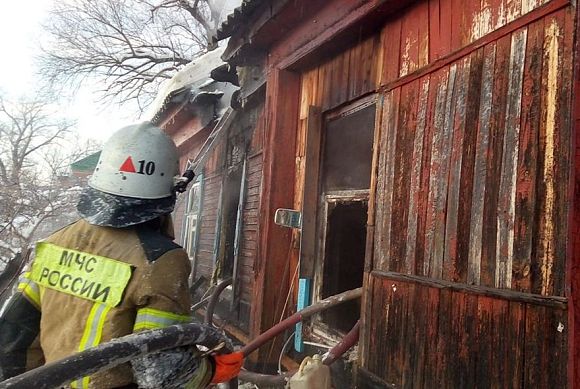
x,y
235,18
189,83
87,164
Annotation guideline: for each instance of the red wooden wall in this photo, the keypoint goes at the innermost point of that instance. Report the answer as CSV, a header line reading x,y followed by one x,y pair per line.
x,y
466,282
467,286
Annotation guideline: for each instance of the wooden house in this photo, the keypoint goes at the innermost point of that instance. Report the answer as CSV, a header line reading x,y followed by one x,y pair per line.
x,y
216,219
431,147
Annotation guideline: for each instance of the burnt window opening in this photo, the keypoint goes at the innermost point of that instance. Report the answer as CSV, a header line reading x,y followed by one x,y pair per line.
x,y
348,149
345,180
232,186
344,260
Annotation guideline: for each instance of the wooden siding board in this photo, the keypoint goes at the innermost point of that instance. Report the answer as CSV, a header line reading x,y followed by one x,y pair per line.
x,y
439,29
486,350
379,198
497,123
458,366
421,317
468,163
402,176
396,331
463,333
454,177
378,344
414,186
390,123
408,339
391,46
507,189
499,340
556,348
533,369
370,66
543,272
527,160
566,18
514,363
444,341
422,260
478,197
432,308
443,124
414,39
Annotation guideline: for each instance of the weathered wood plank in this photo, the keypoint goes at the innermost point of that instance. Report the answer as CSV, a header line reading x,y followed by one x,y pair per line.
x,y
432,308
533,367
486,352
546,256
497,128
527,160
507,190
556,348
567,19
514,362
414,186
390,125
468,163
478,197
409,341
402,176
443,123
414,36
380,192
422,261
439,29
421,317
308,250
444,340
391,47
454,178
392,312
463,371
500,342
370,73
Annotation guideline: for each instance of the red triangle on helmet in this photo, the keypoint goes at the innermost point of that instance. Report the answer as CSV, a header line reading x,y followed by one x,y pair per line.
x,y
128,166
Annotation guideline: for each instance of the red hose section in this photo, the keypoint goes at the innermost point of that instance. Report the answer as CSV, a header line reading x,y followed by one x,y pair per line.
x,y
271,333
345,344
329,302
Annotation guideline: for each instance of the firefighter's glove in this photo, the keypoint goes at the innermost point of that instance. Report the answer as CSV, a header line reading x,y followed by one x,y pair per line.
x,y
176,368
227,366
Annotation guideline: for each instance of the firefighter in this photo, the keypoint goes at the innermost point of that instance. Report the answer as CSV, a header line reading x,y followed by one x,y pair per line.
x,y
113,272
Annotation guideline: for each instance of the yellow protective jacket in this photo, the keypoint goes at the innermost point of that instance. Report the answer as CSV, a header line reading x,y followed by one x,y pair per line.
x,y
92,284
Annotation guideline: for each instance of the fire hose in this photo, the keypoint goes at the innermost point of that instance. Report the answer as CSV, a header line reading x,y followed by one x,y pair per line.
x,y
113,353
122,350
279,379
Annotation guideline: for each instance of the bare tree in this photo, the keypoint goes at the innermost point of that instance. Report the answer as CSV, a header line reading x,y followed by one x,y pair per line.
x,y
28,196
130,46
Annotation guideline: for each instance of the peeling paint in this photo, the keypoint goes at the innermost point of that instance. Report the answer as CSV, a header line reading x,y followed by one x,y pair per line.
x,y
552,47
406,64
481,24
514,10
529,5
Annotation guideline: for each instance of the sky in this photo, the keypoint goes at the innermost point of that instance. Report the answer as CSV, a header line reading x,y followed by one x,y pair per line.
x,y
20,27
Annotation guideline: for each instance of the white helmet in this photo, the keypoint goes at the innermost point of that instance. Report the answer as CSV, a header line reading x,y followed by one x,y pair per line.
x,y
138,161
